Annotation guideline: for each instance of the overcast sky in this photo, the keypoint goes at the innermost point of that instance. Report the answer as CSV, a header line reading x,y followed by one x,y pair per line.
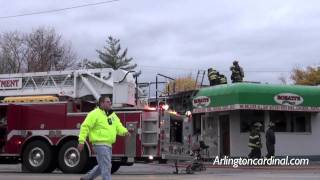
x,y
179,37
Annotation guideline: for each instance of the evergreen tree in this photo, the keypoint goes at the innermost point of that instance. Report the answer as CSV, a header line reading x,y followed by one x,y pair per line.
x,y
112,57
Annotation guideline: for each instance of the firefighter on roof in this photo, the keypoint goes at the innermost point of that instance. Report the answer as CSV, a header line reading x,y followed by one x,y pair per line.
x,y
222,79
237,72
213,76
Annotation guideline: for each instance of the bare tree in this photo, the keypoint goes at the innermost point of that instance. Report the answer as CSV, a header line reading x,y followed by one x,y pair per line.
x,y
306,76
181,84
12,53
46,51
40,50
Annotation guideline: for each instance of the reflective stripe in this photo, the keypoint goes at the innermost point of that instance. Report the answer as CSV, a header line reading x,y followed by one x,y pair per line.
x,y
45,133
42,132
254,137
223,80
13,133
253,145
213,76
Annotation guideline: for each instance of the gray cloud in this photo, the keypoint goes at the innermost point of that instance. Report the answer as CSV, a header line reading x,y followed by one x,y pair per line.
x,y
180,37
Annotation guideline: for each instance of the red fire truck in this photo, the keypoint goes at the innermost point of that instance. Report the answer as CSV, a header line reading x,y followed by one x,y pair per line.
x,y
43,135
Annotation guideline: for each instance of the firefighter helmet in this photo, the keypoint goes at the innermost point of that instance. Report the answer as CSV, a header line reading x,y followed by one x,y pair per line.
x,y
257,124
235,62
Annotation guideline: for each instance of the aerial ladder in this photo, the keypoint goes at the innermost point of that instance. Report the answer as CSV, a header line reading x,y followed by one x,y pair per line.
x,y
72,83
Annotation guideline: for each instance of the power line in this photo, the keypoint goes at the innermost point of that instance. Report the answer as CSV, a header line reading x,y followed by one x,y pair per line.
x,y
172,68
57,10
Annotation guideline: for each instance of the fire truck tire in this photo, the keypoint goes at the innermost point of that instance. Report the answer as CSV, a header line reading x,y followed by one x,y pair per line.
x,y
115,167
38,157
70,160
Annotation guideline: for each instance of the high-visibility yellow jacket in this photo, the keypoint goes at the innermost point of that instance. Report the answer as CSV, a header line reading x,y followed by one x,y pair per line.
x,y
101,127
212,75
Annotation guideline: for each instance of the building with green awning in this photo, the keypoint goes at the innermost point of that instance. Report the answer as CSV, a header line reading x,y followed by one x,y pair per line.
x,y
257,96
224,114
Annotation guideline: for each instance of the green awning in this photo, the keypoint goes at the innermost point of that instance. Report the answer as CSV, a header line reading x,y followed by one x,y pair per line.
x,y
257,97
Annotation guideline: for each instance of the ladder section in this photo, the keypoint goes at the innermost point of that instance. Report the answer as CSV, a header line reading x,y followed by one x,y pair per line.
x,y
150,133
72,83
200,75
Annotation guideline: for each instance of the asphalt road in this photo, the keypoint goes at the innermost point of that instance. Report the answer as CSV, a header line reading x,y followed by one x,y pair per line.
x,y
161,172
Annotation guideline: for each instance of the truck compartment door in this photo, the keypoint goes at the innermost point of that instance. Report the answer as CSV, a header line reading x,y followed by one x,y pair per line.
x,y
131,140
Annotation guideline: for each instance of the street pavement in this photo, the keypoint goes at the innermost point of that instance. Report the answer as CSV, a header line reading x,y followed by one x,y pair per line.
x,y
157,172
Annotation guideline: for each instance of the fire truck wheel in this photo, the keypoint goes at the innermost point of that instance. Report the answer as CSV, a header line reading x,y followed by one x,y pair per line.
x,y
70,160
37,157
115,167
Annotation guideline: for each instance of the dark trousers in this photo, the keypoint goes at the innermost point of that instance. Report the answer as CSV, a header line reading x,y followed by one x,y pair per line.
x,y
213,82
270,148
255,153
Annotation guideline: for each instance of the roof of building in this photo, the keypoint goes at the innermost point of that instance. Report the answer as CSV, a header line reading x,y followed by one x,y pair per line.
x,y
257,96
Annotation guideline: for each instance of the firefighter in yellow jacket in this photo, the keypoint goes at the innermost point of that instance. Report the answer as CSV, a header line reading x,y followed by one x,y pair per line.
x,y
102,126
213,77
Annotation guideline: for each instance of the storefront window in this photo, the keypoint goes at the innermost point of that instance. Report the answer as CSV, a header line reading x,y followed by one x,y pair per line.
x,y
280,120
291,121
249,117
210,121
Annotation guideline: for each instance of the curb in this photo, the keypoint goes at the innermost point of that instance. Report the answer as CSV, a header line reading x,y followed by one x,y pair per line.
x,y
307,167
